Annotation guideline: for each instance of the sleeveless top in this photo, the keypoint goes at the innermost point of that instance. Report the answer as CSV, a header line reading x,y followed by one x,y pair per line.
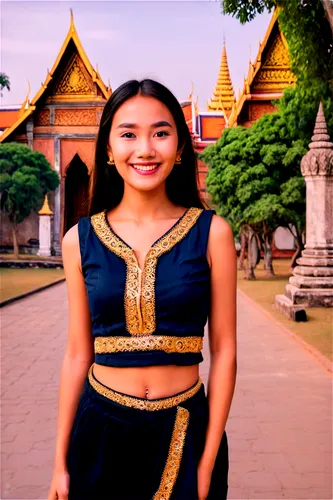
x,y
153,316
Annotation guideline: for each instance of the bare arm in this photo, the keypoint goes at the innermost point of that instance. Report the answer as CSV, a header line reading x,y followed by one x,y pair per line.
x,y
79,350
222,335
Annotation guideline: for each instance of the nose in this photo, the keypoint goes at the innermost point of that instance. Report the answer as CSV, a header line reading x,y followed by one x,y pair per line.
x,y
145,149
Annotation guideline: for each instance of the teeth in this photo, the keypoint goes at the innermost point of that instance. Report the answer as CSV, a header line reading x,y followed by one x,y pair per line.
x,y
147,168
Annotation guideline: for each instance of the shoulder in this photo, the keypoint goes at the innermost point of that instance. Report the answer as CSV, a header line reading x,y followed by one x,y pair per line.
x,y
70,246
71,238
221,239
220,229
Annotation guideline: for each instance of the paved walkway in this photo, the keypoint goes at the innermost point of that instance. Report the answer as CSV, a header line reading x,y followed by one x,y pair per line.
x,y
279,430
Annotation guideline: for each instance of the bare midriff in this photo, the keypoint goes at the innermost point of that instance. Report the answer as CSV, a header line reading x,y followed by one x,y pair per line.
x,y
150,382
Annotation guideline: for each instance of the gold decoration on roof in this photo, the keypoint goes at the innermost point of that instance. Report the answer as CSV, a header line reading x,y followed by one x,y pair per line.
x,y
74,81
274,74
270,74
103,93
190,97
26,103
223,95
45,210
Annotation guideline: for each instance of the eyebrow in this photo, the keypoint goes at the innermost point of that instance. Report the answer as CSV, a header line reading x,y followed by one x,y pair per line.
x,y
161,123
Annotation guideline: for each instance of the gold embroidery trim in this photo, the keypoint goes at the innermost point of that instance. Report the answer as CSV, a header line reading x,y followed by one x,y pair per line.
x,y
140,290
172,465
104,345
142,404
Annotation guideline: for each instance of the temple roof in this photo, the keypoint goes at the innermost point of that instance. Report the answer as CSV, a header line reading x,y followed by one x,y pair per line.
x,y
223,98
270,74
8,117
72,77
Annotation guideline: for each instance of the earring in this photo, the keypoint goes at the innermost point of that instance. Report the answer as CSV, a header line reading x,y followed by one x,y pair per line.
x,y
178,159
111,160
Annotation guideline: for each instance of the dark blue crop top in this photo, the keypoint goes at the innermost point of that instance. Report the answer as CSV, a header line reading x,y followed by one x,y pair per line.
x,y
153,316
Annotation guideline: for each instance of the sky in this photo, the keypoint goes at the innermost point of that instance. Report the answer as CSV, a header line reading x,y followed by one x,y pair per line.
x,y
175,42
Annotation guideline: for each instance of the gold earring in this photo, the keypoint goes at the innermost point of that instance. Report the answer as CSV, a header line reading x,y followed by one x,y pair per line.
x,y
178,159
111,160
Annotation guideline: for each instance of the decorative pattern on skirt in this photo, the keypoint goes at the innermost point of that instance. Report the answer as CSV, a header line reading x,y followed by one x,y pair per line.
x,y
127,448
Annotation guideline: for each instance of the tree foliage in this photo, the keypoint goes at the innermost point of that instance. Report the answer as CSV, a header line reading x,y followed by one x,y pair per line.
x,y
25,177
254,176
4,82
246,10
252,172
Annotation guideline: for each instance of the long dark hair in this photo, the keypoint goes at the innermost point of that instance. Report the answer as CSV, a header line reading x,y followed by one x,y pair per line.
x,y
106,187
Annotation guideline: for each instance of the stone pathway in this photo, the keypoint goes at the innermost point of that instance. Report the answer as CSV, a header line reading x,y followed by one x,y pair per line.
x,y
279,429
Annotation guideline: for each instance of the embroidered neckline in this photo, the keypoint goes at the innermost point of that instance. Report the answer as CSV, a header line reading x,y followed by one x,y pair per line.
x,y
140,284
156,241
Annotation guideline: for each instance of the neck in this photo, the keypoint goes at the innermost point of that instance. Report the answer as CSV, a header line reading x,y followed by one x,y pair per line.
x,y
145,206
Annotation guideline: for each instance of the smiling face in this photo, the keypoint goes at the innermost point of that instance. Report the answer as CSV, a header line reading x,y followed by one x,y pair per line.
x,y
143,141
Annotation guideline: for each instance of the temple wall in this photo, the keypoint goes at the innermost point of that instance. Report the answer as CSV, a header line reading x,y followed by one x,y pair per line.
x,y
46,147
256,110
28,229
85,148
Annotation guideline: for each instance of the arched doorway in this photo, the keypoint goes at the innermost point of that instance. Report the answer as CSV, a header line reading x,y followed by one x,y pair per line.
x,y
76,192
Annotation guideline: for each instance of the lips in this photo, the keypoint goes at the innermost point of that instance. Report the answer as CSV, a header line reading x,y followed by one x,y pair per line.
x,y
145,168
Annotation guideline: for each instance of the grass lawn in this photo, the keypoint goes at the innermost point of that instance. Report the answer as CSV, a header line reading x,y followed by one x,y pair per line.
x,y
15,282
29,256
317,331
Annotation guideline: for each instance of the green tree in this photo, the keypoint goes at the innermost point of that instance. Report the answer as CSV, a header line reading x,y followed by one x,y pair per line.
x,y
4,82
255,182
25,177
254,175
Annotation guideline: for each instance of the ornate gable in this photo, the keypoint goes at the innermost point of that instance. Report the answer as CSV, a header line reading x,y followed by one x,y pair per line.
x,y
267,77
72,78
274,73
75,81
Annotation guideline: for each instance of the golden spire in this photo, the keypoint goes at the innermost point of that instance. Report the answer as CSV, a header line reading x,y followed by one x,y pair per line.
x,y
72,25
26,101
45,210
223,95
190,97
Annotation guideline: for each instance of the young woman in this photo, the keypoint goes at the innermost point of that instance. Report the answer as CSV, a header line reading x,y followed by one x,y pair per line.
x,y
145,270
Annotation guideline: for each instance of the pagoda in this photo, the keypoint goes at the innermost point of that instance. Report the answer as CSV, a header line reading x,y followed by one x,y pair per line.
x,y
223,96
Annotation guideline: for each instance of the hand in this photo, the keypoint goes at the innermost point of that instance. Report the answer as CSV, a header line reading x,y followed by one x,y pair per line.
x,y
59,488
204,479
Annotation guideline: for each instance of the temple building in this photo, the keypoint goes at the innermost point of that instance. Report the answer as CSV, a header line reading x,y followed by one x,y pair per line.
x,y
266,80
62,120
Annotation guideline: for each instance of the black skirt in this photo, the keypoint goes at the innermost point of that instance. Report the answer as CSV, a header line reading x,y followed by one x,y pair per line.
x,y
126,448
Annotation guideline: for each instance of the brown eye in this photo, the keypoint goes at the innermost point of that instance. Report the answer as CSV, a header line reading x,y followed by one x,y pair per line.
x,y
128,135
162,133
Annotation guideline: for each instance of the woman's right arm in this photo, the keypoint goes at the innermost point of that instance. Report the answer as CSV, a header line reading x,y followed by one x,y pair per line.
x,y
78,358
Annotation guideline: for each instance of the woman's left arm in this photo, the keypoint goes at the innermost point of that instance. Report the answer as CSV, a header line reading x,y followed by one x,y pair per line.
x,y
222,341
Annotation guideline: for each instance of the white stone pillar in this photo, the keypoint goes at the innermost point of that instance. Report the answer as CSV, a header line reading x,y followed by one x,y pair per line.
x,y
312,282
45,214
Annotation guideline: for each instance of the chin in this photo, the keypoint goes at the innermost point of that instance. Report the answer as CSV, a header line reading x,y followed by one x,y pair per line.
x,y
146,186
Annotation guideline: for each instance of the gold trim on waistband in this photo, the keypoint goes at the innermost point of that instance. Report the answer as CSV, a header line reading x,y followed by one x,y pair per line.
x,y
142,404
104,345
172,464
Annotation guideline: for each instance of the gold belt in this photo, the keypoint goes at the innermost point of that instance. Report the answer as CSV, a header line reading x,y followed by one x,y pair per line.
x,y
171,468
169,344
138,403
